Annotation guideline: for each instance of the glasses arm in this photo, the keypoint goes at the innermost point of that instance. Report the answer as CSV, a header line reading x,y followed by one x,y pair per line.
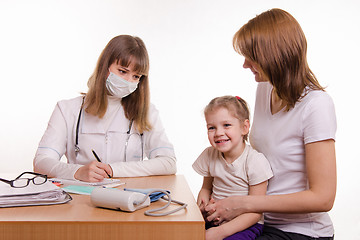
x,y
6,181
33,173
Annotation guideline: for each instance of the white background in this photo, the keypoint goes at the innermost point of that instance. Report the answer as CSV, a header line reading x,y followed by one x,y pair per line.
x,y
48,50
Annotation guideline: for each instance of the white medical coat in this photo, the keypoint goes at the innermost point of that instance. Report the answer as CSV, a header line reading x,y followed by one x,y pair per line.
x,y
59,139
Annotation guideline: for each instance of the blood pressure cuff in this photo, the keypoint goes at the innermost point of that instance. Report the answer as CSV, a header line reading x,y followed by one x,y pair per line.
x,y
153,196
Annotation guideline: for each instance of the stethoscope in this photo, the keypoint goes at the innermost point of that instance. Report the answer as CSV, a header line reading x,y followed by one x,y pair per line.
x,y
129,134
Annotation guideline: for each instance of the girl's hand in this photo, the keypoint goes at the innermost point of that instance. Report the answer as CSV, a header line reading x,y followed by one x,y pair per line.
x,y
203,200
93,172
211,201
225,209
202,204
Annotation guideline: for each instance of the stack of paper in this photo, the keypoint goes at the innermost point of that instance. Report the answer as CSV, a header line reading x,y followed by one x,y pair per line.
x,y
32,195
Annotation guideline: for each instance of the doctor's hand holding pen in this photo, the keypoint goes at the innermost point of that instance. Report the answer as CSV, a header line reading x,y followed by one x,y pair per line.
x,y
94,171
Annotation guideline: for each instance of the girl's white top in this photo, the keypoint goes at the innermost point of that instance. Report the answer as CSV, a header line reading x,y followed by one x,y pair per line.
x,y
250,168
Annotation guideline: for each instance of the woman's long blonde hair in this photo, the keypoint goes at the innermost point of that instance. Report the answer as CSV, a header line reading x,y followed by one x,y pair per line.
x,y
275,42
123,50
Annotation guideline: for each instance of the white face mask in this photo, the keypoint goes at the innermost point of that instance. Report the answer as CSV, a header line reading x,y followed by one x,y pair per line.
x,y
119,87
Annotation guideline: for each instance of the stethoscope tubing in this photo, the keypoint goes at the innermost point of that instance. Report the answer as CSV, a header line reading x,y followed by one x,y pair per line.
x,y
77,148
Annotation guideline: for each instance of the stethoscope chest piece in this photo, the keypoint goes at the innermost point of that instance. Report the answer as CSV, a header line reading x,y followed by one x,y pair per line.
x,y
77,149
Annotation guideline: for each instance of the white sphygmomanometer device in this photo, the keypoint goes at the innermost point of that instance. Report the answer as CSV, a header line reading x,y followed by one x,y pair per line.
x,y
130,201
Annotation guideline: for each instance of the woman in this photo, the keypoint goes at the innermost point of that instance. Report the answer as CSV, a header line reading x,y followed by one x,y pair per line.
x,y
113,120
294,127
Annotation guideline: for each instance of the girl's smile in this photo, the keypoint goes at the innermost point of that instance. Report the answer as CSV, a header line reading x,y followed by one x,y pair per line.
x,y
222,141
225,133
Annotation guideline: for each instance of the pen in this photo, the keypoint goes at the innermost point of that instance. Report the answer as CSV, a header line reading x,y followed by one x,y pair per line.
x,y
98,159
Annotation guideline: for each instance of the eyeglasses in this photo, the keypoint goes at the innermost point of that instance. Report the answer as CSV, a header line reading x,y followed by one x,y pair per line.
x,y
20,181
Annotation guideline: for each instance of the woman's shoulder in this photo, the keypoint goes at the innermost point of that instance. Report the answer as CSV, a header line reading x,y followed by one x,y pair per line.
x,y
318,98
70,101
154,113
313,93
152,108
71,104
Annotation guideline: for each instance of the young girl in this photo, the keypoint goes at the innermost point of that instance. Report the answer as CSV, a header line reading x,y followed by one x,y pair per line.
x,y
231,167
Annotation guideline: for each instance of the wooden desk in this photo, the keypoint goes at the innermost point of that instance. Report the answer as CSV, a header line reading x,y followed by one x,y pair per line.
x,y
79,219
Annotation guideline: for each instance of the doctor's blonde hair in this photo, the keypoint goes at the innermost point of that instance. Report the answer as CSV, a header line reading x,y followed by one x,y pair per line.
x,y
123,50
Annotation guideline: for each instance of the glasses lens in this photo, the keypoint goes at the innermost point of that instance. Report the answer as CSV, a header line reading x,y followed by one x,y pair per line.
x,y
39,180
21,182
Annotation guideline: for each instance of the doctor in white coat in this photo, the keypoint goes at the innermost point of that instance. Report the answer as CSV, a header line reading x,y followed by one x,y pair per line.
x,y
114,119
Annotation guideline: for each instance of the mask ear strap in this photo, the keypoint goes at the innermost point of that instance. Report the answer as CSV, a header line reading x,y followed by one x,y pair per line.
x,y
168,198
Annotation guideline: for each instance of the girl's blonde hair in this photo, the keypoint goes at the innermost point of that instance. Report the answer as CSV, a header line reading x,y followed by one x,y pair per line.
x,y
275,42
123,50
235,105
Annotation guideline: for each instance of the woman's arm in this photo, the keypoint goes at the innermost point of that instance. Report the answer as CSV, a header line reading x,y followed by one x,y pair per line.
x,y
241,222
321,171
52,147
160,165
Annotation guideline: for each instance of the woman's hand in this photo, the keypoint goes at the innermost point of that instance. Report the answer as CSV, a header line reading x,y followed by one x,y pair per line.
x,y
215,233
225,209
93,172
